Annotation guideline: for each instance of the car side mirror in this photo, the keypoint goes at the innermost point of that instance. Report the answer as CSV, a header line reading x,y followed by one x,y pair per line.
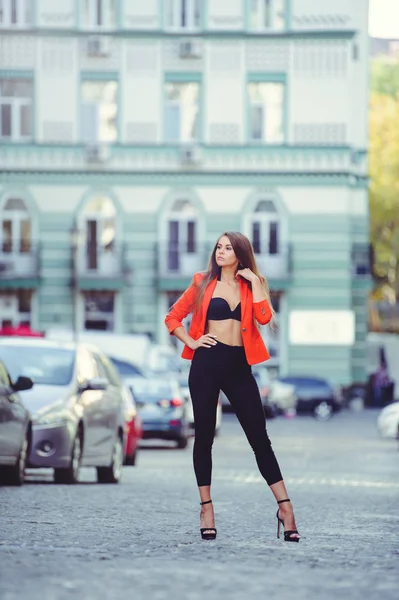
x,y
97,383
22,383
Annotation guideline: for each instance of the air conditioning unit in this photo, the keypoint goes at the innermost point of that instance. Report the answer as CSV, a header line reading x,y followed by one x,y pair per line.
x,y
190,49
190,155
97,153
98,46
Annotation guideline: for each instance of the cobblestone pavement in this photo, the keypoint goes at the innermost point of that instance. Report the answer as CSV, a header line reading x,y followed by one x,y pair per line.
x,y
140,539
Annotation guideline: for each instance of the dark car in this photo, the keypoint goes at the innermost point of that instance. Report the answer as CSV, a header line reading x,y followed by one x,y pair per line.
x,y
314,396
77,407
15,428
162,409
126,368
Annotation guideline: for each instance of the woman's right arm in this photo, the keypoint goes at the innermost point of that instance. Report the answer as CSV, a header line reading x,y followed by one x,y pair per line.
x,y
206,340
181,308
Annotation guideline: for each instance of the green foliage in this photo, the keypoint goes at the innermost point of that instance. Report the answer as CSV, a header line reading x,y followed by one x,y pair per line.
x,y
385,77
384,175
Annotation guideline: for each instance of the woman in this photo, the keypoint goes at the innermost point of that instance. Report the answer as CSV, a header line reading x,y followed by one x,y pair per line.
x,y
223,342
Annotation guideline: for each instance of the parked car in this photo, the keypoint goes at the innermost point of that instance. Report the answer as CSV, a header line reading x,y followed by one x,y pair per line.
x,y
388,421
183,381
133,427
15,428
314,396
162,409
125,368
76,404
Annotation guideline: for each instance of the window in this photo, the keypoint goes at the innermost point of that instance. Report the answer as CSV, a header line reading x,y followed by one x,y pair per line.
x,y
15,307
266,112
267,14
184,14
99,310
265,229
15,228
99,14
182,112
15,13
15,109
182,234
98,226
99,111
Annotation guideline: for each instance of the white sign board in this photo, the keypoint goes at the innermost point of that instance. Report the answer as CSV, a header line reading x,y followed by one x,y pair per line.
x,y
322,327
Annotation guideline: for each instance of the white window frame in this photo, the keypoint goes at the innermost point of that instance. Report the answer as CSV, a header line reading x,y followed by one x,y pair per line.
x,y
176,8
181,138
94,109
264,220
260,11
257,103
105,8
17,218
21,6
16,105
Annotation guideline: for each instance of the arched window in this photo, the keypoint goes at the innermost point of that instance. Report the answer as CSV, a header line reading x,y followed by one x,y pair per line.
x,y
15,227
98,225
182,236
266,229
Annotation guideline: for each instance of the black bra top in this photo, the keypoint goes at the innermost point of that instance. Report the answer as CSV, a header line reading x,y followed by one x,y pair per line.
x,y
219,310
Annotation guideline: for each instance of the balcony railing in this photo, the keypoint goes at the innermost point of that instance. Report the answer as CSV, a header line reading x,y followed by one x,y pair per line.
x,y
96,260
181,260
19,264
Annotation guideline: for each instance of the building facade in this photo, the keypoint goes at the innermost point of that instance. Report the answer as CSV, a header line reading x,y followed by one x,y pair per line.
x,y
134,132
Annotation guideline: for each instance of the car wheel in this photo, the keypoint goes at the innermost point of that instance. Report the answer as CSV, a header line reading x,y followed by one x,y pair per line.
x,y
323,411
113,473
70,475
130,460
182,443
16,475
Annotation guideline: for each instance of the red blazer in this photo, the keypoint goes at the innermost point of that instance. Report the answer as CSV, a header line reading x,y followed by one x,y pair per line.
x,y
255,349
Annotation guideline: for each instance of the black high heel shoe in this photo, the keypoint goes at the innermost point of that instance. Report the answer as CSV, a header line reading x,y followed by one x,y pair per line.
x,y
208,533
287,534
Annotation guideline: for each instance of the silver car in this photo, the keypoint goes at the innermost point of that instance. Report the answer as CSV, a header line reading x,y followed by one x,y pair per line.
x,y
76,405
15,428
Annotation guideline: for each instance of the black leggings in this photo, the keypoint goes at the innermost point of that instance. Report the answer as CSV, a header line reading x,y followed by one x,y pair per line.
x,y
224,367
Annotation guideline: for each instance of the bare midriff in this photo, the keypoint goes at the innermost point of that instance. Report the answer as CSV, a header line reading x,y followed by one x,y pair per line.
x,y
227,331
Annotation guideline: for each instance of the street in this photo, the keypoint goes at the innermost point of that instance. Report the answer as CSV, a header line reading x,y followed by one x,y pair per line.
x,y
140,539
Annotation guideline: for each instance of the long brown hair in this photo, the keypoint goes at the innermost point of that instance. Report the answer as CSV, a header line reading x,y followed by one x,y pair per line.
x,y
245,254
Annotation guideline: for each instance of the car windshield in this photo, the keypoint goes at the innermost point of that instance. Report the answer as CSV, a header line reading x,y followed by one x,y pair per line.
x,y
44,365
151,388
125,369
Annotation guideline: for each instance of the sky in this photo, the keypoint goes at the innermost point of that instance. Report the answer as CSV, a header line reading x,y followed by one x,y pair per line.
x,y
384,18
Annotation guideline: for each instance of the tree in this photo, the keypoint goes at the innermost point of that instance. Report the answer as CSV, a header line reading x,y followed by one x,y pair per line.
x,y
385,77
384,186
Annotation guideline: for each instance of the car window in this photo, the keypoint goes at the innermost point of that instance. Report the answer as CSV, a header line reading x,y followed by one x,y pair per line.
x,y
142,386
125,369
43,364
110,370
4,378
101,372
